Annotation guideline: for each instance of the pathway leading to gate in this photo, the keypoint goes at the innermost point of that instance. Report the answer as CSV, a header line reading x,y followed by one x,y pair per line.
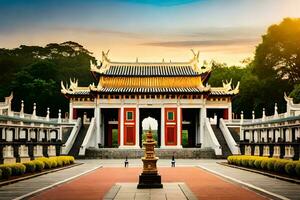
x,y
95,185
205,184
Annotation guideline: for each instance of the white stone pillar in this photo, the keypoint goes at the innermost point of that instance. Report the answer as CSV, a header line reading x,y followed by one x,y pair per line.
x,y
202,124
179,127
137,127
48,114
60,133
22,109
34,111
97,123
70,111
264,115
121,126
242,132
162,128
242,117
59,116
230,111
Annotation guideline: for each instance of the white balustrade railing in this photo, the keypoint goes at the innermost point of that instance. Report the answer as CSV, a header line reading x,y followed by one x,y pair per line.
x,y
68,145
228,137
89,140
210,139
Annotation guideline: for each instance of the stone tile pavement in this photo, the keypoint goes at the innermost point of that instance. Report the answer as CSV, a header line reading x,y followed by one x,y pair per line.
x,y
284,189
128,191
20,189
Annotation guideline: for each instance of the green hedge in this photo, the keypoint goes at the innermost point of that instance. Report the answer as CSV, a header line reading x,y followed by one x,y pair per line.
x,y
268,164
37,165
6,171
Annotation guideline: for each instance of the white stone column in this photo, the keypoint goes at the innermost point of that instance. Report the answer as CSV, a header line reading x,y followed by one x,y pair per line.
x,y
230,111
70,111
242,132
179,127
137,127
162,128
60,133
121,127
202,124
98,130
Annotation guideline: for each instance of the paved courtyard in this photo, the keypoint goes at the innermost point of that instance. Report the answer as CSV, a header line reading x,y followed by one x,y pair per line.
x,y
204,178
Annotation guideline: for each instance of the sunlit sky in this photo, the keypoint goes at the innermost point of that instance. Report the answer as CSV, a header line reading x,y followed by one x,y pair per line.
x,y
223,30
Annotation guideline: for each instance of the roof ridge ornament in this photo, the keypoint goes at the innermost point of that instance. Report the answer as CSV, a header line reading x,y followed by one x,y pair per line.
x,y
195,61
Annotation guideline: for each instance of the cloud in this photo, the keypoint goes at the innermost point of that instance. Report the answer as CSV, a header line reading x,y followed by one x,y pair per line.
x,y
97,31
227,32
204,43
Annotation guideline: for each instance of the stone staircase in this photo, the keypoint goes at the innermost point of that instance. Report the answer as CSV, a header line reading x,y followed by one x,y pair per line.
x,y
115,153
219,135
235,134
78,141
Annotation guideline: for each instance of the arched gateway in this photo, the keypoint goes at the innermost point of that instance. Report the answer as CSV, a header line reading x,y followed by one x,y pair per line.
x,y
176,94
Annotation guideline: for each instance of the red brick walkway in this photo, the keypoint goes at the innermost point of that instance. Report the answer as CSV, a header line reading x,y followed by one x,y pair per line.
x,y
94,185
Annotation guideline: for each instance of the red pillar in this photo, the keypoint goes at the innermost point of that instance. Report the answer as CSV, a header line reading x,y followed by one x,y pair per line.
x,y
171,126
74,113
129,126
225,114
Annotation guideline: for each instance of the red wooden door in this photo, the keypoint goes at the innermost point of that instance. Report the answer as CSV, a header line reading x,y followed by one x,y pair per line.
x,y
129,126
171,126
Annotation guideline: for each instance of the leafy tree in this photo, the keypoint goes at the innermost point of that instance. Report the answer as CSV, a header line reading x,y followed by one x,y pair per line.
x,y
34,73
295,94
221,72
278,55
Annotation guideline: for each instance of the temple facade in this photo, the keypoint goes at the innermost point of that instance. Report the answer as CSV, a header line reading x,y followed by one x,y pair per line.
x,y
176,94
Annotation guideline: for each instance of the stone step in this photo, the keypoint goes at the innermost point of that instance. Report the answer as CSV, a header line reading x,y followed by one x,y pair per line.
x,y
220,137
115,153
78,141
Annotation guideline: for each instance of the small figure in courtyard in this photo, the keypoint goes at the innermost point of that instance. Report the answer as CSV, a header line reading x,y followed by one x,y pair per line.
x,y
126,162
173,161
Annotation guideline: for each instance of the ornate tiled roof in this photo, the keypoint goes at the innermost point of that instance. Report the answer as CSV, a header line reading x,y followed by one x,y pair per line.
x,y
110,68
141,77
153,90
143,70
226,89
214,91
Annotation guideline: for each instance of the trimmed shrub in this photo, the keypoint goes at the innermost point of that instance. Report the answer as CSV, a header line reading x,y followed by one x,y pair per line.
x,y
257,163
17,169
46,161
30,166
6,171
39,165
271,163
290,168
297,168
264,164
279,165
251,162
244,162
59,162
72,159
53,162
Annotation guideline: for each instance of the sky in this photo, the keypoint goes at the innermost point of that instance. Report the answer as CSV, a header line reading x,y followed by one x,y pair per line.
x,y
223,30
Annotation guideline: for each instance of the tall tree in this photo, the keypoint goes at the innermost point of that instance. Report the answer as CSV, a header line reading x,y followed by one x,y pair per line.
x,y
34,73
278,55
